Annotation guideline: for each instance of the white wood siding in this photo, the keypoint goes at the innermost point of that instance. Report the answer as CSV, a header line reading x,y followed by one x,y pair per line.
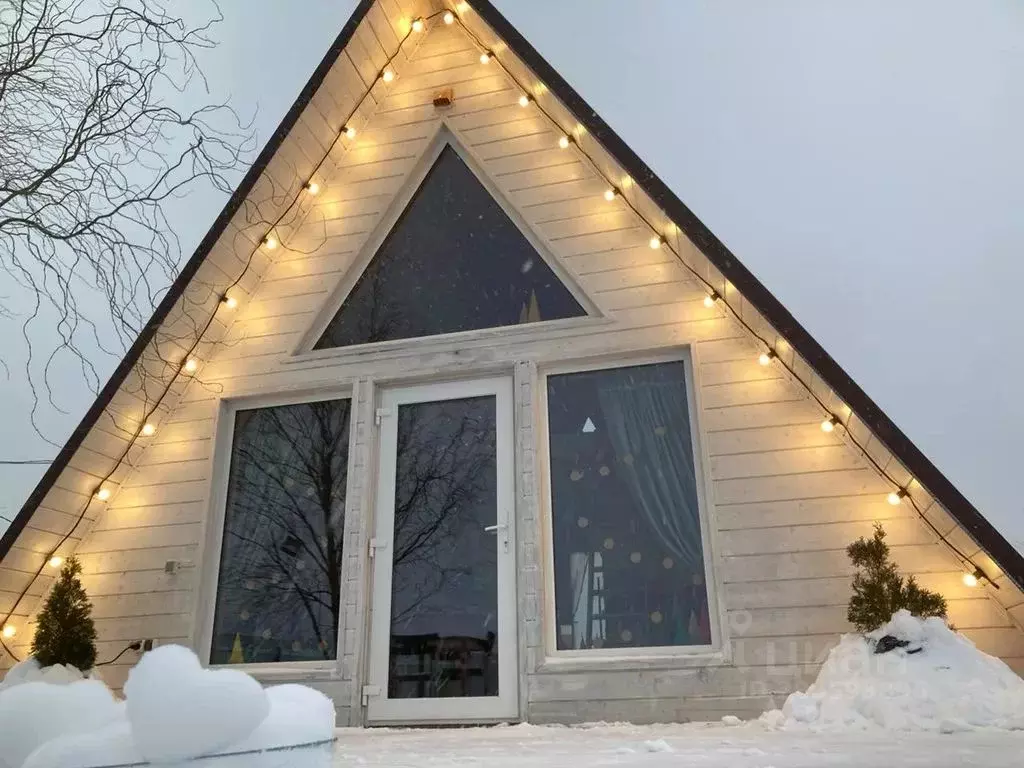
x,y
786,497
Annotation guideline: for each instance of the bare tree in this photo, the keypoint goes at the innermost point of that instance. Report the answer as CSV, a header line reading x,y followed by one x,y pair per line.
x,y
94,143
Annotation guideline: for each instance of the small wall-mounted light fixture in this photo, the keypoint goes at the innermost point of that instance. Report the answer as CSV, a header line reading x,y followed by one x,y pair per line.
x,y
444,98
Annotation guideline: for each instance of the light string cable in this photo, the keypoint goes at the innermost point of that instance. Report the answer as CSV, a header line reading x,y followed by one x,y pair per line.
x,y
658,240
188,364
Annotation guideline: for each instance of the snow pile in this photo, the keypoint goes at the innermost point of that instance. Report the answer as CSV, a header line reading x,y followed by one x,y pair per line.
x,y
938,682
175,711
29,671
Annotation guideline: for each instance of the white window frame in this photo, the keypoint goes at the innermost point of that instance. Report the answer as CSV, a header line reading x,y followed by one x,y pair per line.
x,y
383,710
445,136
626,657
213,540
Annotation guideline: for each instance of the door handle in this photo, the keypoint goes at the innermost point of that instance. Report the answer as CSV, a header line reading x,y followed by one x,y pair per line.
x,y
503,527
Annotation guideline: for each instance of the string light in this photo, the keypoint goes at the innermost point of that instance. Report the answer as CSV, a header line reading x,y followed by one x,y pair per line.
x,y
525,99
896,497
485,57
313,188
656,242
418,25
710,299
766,357
611,193
349,131
270,242
148,429
229,301
55,562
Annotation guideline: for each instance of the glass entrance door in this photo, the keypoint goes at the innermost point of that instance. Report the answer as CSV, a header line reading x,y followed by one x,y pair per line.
x,y
442,638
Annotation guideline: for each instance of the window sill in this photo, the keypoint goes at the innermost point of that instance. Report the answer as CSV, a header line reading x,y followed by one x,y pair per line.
x,y
286,671
597,663
460,341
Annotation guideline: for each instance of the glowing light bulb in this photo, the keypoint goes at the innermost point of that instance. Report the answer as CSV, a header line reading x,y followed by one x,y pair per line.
x,y
56,561
191,365
485,57
349,131
710,299
230,302
388,75
766,357
896,497
610,194
563,142
524,100
829,424
270,242
449,17
313,188
103,494
10,630
418,25
148,429
656,242
970,580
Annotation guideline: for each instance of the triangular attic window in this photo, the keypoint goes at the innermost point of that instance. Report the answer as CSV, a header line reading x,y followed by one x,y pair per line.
x,y
454,261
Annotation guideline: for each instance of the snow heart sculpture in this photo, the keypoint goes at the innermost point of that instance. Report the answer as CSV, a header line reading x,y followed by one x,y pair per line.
x,y
178,710
32,714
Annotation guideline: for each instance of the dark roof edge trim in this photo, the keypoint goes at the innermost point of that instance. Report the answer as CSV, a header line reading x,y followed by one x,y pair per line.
x,y
182,281
987,537
926,473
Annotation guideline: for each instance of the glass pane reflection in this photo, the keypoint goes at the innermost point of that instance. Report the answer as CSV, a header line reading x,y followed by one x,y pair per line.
x,y
278,594
629,561
454,261
444,598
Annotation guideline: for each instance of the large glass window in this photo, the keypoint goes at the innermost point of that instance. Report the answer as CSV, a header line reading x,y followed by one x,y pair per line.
x,y
278,593
628,554
454,261
444,588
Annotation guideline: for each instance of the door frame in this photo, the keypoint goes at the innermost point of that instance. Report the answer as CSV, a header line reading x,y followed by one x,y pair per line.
x,y
380,709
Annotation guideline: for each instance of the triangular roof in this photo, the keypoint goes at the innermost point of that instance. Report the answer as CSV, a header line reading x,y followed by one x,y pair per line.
x,y
255,204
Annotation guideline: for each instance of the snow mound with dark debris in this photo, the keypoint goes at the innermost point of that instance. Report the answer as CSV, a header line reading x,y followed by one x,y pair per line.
x,y
938,682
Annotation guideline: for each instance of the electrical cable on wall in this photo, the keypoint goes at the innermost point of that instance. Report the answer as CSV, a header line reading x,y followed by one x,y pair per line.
x,y
188,365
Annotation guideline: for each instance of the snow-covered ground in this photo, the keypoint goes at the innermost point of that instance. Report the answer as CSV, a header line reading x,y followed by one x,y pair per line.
x,y
671,746
935,701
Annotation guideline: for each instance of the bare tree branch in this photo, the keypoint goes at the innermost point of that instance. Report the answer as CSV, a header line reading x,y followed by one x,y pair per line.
x,y
95,141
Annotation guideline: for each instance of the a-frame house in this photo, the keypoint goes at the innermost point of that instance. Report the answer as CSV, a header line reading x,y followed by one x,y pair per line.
x,y
460,415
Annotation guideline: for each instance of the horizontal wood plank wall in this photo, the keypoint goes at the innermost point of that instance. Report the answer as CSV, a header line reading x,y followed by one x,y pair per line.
x,y
786,497
160,491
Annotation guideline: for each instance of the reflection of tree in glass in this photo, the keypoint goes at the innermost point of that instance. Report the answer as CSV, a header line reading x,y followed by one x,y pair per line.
x,y
279,586
445,480
384,316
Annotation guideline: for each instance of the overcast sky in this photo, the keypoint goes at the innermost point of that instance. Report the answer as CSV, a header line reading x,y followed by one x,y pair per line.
x,y
864,159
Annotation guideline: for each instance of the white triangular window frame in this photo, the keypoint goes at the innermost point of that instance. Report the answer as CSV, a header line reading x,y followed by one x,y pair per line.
x,y
443,137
